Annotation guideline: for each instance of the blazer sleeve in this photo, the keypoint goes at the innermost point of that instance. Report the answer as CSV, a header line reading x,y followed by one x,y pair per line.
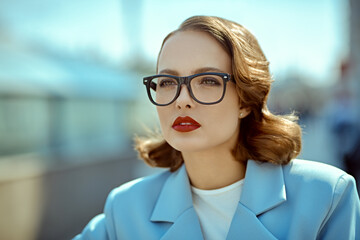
x,y
343,218
100,227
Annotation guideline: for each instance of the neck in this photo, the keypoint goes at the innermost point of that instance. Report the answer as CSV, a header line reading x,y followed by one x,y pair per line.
x,y
213,169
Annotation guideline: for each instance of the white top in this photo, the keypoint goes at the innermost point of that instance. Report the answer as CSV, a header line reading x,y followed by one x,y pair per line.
x,y
216,208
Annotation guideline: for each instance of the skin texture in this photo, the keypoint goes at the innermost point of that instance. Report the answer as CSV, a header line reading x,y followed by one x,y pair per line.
x,y
206,150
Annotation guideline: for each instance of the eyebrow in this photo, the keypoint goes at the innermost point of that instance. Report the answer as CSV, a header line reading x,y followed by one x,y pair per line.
x,y
199,70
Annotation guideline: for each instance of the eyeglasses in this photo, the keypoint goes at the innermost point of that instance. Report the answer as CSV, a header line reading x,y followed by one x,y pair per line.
x,y
205,88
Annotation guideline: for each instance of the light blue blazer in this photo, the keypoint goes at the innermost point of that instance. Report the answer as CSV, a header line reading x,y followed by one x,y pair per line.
x,y
302,200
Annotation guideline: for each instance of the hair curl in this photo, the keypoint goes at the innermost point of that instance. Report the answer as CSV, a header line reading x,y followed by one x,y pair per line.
x,y
263,136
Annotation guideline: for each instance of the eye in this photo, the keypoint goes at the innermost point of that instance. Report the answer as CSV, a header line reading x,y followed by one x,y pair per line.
x,y
210,81
166,82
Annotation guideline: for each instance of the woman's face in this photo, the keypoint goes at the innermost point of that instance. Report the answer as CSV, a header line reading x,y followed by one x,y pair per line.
x,y
183,54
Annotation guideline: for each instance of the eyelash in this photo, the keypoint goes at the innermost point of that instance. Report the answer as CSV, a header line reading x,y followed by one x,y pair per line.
x,y
165,82
213,81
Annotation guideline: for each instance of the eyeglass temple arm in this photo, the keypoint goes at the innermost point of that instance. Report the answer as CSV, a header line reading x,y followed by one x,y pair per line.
x,y
153,86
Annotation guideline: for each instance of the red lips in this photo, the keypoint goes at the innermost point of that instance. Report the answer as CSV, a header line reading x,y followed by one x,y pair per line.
x,y
185,124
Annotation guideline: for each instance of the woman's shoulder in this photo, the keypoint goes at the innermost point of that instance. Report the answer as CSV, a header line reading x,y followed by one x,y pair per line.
x,y
126,206
312,170
326,194
315,177
145,188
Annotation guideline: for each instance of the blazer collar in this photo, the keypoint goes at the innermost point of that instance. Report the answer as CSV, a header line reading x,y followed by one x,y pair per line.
x,y
175,197
263,190
264,187
175,205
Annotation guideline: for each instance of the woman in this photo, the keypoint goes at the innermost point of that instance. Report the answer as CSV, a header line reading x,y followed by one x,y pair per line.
x,y
231,170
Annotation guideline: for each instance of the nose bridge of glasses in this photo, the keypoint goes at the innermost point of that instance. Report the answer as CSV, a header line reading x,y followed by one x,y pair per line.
x,y
184,87
183,80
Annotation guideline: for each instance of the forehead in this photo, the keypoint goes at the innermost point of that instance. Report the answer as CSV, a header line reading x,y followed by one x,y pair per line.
x,y
187,51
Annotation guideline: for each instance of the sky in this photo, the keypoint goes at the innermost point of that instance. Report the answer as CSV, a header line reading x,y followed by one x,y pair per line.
x,y
301,35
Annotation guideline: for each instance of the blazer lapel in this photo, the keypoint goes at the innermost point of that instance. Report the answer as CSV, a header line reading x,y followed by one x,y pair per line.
x,y
175,205
187,226
263,190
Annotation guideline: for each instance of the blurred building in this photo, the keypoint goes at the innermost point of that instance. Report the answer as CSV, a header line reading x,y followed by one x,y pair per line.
x,y
64,138
354,71
351,81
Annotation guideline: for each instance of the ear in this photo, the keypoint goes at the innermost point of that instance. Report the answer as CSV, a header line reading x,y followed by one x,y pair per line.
x,y
243,112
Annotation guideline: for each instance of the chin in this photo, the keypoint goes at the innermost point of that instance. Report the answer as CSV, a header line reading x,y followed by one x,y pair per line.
x,y
188,145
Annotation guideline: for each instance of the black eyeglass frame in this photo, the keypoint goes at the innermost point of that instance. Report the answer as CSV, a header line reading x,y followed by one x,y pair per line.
x,y
185,80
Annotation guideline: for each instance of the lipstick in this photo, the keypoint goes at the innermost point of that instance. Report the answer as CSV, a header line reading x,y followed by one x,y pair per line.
x,y
185,124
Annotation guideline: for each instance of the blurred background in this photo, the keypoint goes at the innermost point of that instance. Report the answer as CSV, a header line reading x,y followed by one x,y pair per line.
x,y
71,94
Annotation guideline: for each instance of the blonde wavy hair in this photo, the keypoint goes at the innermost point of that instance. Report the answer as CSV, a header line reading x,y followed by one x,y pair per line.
x,y
263,136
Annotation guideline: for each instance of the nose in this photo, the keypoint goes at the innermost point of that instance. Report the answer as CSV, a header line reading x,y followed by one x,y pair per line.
x,y
184,100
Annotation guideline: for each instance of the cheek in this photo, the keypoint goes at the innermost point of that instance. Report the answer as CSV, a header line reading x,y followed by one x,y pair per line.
x,y
225,120
164,119
226,115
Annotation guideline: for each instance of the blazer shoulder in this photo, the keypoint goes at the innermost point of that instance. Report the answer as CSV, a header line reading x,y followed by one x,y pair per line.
x,y
327,194
317,181
139,195
311,171
141,186
126,206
